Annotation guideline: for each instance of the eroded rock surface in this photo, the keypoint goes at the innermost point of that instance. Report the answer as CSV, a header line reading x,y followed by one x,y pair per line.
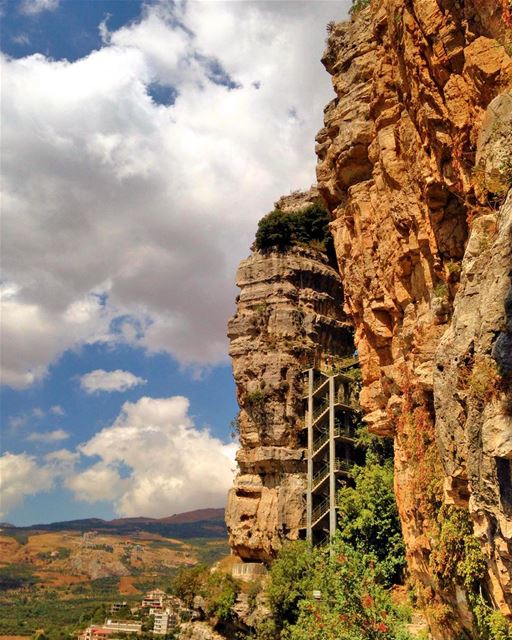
x,y
414,164
288,318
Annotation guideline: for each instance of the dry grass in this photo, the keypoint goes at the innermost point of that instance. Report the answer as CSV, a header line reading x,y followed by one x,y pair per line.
x,y
126,586
146,552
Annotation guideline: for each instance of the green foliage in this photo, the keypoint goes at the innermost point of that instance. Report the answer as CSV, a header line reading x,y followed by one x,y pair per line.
x,y
491,624
43,609
353,605
256,398
453,267
279,231
484,380
441,290
148,623
291,580
499,627
255,403
274,232
103,547
16,576
62,554
219,591
20,536
369,518
188,583
458,558
506,165
357,6
379,450
255,588
234,427
105,585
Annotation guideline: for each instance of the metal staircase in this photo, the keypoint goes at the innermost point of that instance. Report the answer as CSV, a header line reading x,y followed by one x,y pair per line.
x,y
329,420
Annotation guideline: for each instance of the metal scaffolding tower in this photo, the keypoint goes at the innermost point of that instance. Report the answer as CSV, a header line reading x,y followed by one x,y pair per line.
x,y
330,420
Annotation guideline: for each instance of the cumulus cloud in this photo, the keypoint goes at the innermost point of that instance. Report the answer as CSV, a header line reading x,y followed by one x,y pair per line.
x,y
21,476
118,380
153,461
98,482
48,436
115,205
33,7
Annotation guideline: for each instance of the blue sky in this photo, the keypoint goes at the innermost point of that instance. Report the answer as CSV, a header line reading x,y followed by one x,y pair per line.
x,y
141,144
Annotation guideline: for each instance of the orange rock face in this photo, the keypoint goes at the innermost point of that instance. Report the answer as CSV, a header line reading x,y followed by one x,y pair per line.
x,y
412,167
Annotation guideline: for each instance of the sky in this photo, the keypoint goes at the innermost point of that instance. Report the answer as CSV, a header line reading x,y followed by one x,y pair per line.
x,y
141,143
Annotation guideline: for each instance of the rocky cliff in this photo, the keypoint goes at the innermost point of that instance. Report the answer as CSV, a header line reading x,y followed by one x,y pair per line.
x,y
414,163
288,318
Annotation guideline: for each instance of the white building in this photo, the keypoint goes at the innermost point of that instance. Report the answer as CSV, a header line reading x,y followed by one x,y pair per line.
x,y
154,599
163,620
129,626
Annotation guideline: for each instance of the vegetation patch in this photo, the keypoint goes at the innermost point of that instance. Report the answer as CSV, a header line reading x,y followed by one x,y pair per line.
x,y
16,576
278,231
482,379
357,6
369,519
255,403
317,595
458,558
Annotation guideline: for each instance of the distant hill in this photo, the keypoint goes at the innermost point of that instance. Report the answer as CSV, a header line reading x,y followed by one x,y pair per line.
x,y
201,523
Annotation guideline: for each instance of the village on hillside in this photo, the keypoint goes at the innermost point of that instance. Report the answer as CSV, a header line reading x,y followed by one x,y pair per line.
x,y
158,613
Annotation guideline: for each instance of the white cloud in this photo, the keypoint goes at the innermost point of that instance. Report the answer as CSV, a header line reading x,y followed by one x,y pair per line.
x,y
118,380
48,436
20,475
98,482
17,422
115,206
33,7
21,38
57,410
153,461
37,412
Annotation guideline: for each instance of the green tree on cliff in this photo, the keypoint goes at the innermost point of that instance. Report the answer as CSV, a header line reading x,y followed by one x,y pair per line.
x,y
279,231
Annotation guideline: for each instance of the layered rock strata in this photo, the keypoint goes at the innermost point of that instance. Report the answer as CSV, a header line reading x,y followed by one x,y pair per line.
x,y
288,318
414,167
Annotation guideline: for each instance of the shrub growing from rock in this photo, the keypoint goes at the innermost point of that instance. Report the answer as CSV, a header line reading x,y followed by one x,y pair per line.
x,y
280,231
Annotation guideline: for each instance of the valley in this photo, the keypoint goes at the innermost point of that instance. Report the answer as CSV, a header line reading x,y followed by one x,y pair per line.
x,y
59,577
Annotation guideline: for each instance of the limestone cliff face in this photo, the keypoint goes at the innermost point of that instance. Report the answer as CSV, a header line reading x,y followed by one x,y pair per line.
x,y
414,164
288,317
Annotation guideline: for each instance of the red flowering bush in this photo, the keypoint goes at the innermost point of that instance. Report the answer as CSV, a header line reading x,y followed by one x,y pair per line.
x,y
353,604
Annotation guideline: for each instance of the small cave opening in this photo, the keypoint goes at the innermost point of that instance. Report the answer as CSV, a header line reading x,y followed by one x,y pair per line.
x,y
504,473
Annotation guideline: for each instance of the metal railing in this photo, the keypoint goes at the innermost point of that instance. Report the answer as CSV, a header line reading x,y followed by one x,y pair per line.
x,y
320,477
319,442
320,511
339,432
340,466
319,411
317,513
316,385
